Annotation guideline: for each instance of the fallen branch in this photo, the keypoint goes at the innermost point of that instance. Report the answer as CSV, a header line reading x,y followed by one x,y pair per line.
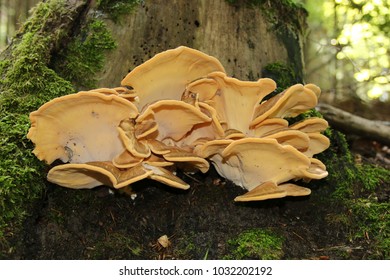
x,y
347,122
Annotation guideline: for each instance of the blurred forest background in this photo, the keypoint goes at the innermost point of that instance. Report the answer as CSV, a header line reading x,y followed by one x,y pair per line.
x,y
347,50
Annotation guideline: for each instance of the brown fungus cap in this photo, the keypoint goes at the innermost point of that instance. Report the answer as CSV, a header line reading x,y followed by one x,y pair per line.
x,y
79,127
93,174
235,100
290,103
174,118
268,126
126,160
311,125
166,177
178,155
166,75
313,128
317,143
298,139
270,190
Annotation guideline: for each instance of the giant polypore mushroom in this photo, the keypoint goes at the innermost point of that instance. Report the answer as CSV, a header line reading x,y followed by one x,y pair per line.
x,y
180,109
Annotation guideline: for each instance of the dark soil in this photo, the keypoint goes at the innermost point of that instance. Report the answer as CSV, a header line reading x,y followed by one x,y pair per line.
x,y
101,224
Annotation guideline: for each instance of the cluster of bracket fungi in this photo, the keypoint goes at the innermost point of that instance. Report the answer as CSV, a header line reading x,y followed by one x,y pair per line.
x,y
180,110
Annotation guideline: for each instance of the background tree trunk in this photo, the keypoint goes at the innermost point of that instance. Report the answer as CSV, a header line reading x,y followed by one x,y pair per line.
x,y
245,38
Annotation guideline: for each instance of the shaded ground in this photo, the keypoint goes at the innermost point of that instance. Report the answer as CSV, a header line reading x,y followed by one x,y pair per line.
x,y
99,224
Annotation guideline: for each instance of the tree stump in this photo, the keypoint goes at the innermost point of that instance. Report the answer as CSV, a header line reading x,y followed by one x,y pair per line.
x,y
244,37
68,45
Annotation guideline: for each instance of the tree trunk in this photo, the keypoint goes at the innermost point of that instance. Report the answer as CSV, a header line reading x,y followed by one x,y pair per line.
x,y
244,38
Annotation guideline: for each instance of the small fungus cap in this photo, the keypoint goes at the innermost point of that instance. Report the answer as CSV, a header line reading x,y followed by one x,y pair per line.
x,y
290,103
270,190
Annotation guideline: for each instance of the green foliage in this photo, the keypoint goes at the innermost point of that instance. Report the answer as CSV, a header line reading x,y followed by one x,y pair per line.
x,y
353,37
256,244
85,54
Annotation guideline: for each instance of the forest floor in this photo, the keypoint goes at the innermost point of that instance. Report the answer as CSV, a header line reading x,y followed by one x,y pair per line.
x,y
201,223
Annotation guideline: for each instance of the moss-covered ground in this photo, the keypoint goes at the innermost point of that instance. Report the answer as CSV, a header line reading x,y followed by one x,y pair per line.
x,y
346,217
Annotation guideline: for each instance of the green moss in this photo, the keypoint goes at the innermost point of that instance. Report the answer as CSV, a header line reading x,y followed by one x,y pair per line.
x,y
256,244
354,192
27,81
85,54
26,84
282,74
116,245
116,9
281,14
371,222
373,176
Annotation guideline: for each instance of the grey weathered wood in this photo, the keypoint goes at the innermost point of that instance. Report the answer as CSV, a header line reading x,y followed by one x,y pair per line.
x,y
350,123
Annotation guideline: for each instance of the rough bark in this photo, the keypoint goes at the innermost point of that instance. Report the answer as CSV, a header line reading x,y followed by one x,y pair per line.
x,y
350,123
244,38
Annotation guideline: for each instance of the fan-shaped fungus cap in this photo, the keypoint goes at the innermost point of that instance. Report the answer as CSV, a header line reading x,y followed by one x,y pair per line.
x,y
174,118
261,160
93,174
79,127
298,139
290,103
166,75
268,126
270,190
119,91
317,143
166,177
312,127
235,100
